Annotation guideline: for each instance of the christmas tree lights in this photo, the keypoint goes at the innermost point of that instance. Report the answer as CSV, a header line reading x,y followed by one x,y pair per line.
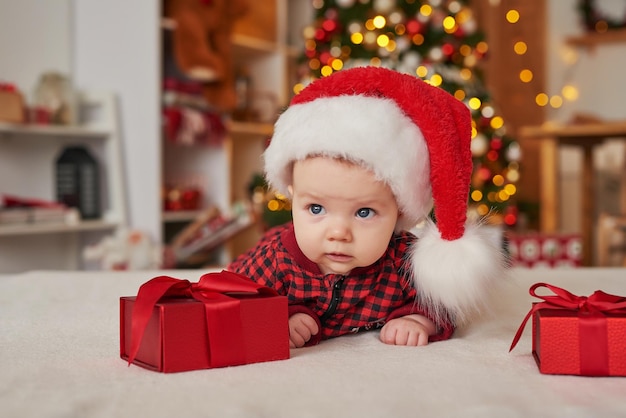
x,y
439,42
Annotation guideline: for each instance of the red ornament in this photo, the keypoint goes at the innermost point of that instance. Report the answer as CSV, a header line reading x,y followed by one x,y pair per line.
x,y
447,49
496,143
329,25
413,27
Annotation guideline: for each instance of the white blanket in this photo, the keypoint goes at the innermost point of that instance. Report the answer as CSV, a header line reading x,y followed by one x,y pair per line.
x,y
59,357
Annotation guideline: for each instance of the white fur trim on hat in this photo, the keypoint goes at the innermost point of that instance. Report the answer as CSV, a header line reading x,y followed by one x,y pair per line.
x,y
391,146
456,278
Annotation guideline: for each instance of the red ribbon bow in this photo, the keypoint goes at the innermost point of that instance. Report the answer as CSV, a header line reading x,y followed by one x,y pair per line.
x,y
592,322
222,310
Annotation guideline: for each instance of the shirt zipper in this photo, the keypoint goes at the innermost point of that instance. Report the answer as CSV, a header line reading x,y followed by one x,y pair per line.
x,y
334,301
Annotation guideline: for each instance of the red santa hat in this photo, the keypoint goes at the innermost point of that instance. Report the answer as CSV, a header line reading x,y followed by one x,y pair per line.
x,y
416,138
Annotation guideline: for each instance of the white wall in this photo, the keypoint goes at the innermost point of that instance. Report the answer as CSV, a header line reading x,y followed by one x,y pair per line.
x,y
599,76
116,46
108,45
34,37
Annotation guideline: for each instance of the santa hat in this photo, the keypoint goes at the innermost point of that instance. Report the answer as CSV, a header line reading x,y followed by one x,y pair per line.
x,y
416,138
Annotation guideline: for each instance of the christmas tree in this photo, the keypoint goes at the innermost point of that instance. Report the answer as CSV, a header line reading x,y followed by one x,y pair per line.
x,y
438,41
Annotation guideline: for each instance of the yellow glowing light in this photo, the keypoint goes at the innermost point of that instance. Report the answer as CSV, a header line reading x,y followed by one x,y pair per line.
x,y
391,46
298,88
421,71
356,38
520,48
474,103
477,195
542,99
426,10
369,24
503,196
370,38
417,39
337,64
512,16
556,101
474,131
400,29
379,22
326,70
482,209
382,40
497,122
482,47
526,75
459,94
308,32
463,16
310,45
470,61
570,92
273,205
510,189
465,74
314,64
449,24
498,180
436,80
465,50
513,176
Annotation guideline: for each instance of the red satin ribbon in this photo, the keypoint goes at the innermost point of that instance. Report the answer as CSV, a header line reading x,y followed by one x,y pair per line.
x,y
592,322
223,321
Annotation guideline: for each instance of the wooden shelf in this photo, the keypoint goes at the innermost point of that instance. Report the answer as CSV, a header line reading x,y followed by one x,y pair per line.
x,y
55,228
180,215
592,39
13,129
250,128
585,130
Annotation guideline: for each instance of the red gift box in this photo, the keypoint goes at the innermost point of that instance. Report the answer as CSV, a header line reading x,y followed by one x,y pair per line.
x,y
577,335
536,250
223,320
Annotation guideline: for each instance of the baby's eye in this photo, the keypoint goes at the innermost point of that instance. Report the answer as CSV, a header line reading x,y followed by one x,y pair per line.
x,y
316,209
365,213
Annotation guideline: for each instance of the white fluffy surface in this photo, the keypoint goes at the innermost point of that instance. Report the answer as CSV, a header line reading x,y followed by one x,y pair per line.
x,y
392,146
59,351
459,275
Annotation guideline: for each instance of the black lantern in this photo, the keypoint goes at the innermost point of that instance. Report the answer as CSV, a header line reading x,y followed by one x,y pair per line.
x,y
77,181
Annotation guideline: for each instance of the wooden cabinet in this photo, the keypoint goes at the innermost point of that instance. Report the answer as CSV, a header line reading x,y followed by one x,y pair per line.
x,y
266,43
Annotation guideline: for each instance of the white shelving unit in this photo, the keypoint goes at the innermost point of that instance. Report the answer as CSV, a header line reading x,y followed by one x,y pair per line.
x,y
27,163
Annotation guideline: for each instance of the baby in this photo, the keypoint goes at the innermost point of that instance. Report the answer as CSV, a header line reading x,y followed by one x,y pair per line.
x,y
362,154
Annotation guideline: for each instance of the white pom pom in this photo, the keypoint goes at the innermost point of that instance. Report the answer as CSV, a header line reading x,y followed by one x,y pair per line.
x,y
455,279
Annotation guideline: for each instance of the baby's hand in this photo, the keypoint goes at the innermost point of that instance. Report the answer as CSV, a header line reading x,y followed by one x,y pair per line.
x,y
301,328
407,330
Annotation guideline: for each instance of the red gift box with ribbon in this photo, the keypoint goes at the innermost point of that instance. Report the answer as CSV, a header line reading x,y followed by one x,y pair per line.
x,y
225,319
577,335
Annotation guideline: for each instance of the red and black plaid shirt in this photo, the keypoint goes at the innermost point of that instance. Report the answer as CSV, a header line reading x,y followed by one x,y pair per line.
x,y
365,299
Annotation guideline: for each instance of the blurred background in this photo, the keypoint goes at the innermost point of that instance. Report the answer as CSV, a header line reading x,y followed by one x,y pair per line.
x,y
131,133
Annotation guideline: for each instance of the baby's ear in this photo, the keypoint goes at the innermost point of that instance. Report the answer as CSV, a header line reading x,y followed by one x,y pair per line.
x,y
290,190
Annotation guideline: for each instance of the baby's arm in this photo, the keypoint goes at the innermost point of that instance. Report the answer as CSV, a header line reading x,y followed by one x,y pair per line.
x,y
413,330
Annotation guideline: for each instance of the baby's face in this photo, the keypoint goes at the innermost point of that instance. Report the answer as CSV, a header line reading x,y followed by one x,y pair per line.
x,y
343,217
